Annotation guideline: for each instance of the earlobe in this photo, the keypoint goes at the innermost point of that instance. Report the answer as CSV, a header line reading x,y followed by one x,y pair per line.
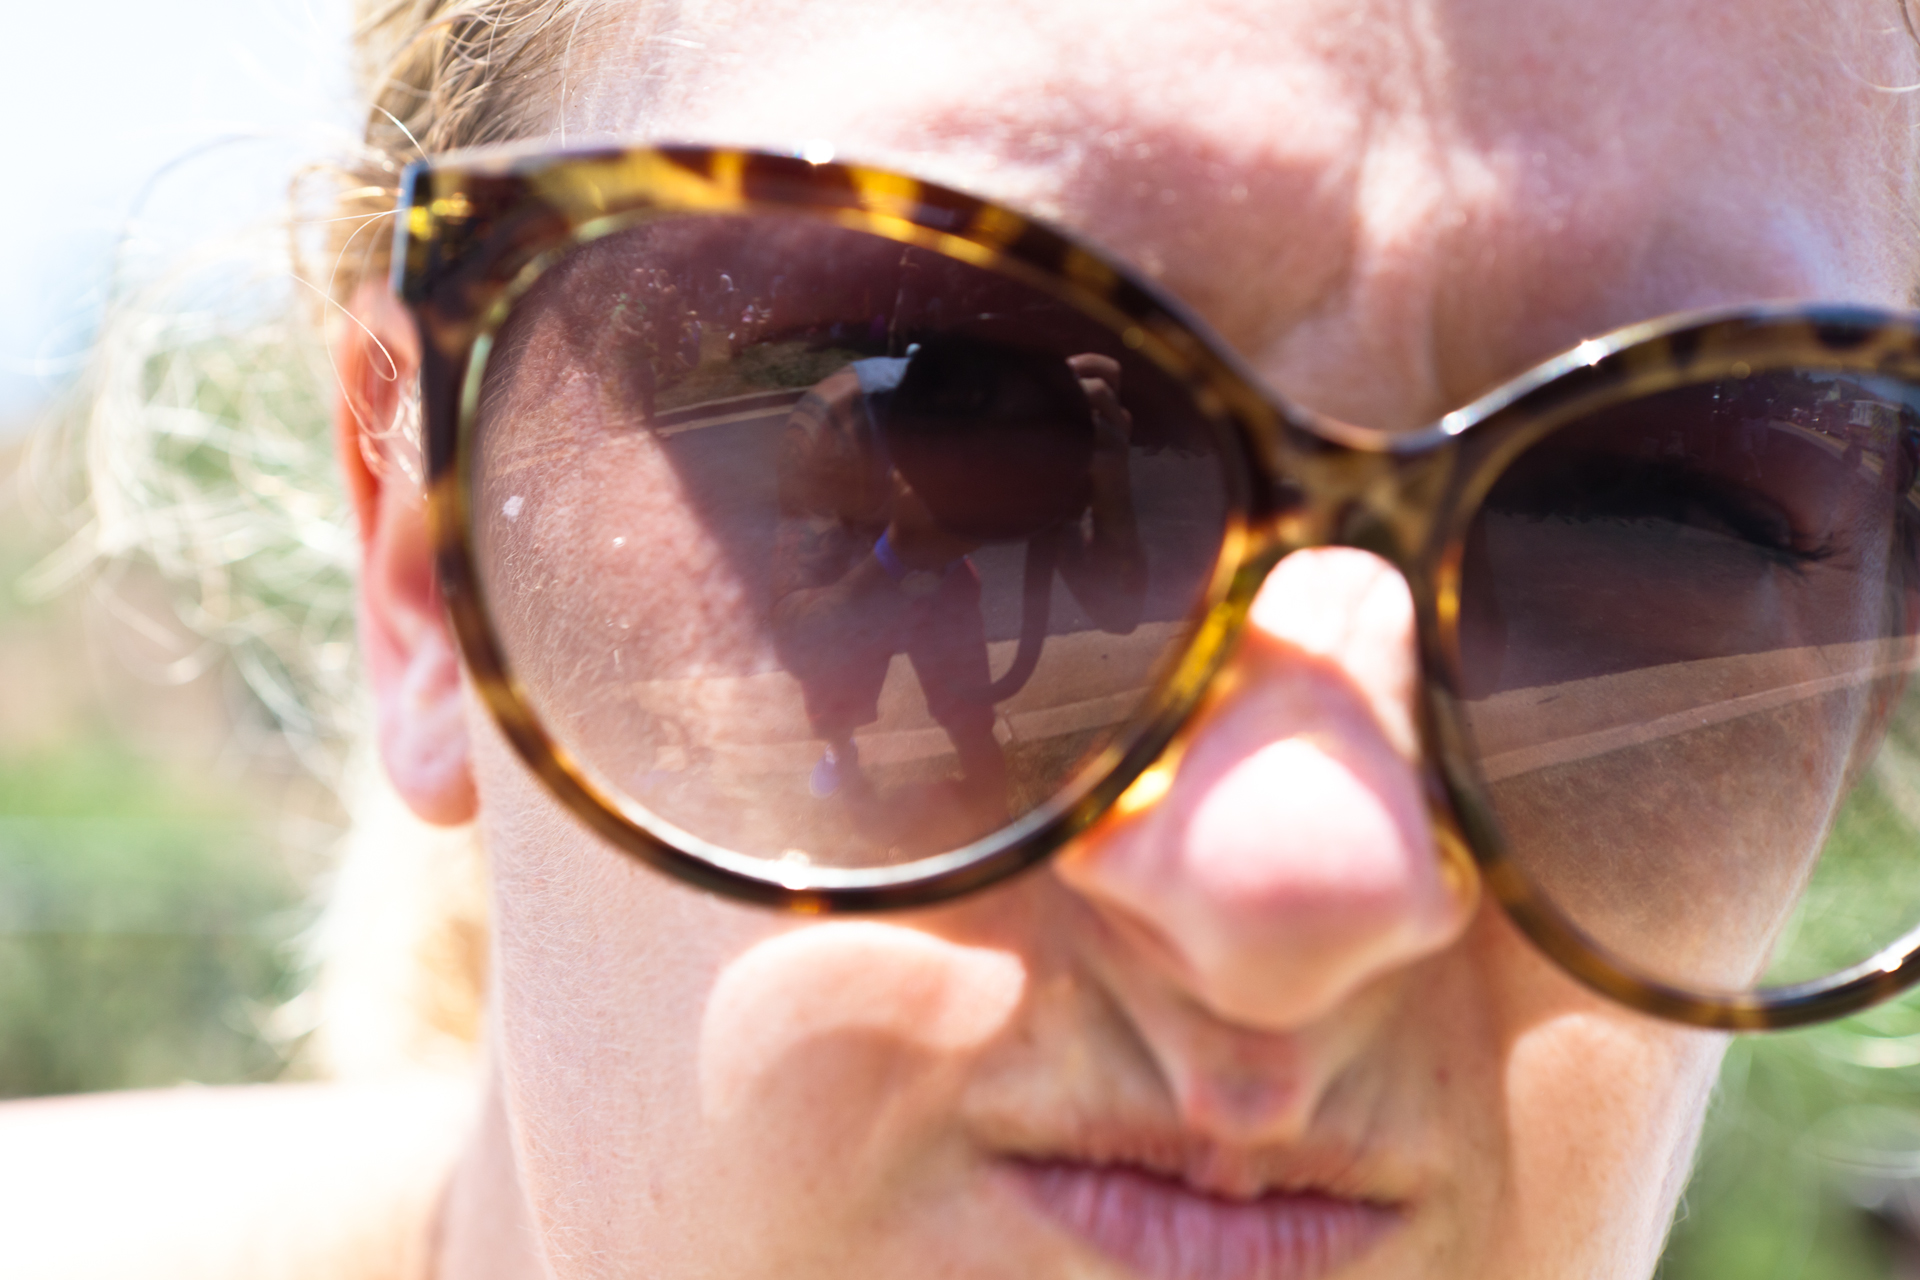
x,y
411,661
423,731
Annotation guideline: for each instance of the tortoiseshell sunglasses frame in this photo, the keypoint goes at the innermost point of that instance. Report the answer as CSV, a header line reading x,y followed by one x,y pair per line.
x,y
475,230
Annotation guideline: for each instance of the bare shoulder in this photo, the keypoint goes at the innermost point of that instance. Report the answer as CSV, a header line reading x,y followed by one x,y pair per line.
x,y
269,1182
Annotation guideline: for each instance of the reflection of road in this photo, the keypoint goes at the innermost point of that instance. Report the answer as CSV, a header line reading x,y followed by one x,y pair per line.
x,y
1859,440
752,721
1523,730
727,456
757,724
1825,441
725,411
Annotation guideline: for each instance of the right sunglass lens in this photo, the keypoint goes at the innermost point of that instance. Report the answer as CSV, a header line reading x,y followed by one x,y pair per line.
x,y
1687,637
824,549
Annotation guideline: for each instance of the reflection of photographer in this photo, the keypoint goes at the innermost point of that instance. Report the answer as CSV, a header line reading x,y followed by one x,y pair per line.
x,y
892,472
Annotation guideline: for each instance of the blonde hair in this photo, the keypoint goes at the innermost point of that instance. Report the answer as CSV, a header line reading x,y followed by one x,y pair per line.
x,y
204,443
442,75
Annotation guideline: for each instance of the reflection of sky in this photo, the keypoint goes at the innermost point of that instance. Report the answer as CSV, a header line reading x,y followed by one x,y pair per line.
x,y
100,97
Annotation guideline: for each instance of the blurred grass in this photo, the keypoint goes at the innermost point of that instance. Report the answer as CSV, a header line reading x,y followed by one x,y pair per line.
x,y
144,939
147,912
1774,1195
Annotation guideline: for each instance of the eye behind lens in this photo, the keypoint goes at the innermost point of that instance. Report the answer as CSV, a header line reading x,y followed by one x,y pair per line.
x,y
1687,636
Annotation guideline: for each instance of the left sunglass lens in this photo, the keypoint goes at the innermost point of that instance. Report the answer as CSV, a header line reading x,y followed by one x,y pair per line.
x,y
827,550
1688,644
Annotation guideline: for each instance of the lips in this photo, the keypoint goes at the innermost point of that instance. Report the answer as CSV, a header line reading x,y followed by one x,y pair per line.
x,y
1165,1228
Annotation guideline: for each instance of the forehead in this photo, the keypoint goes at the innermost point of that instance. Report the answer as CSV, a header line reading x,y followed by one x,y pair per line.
x,y
1327,180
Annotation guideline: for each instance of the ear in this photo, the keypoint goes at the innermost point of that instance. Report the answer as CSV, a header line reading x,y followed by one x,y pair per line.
x,y
410,657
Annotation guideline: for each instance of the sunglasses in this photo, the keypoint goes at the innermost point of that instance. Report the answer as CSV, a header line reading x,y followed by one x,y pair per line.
x,y
836,541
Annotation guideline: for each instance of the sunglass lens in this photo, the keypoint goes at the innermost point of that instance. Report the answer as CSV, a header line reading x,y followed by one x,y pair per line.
x,y
1688,644
820,548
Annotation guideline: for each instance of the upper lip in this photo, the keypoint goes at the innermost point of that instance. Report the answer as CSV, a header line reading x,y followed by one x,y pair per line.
x,y
1108,1104
1207,1167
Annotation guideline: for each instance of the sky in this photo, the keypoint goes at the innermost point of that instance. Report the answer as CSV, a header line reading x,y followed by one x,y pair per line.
x,y
141,129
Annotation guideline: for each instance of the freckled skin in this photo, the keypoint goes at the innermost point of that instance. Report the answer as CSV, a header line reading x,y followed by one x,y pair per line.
x,y
1386,208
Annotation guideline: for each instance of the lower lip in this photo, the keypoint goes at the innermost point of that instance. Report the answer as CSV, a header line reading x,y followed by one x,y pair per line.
x,y
1164,1230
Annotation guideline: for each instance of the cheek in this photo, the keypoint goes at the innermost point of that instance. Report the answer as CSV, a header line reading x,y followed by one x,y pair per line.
x,y
669,1059
827,1052
1604,1110
601,970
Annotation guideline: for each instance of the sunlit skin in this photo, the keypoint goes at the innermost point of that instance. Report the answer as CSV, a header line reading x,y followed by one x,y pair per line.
x,y
1264,982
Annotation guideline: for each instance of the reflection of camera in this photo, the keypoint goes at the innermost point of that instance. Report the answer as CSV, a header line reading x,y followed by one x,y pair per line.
x,y
996,440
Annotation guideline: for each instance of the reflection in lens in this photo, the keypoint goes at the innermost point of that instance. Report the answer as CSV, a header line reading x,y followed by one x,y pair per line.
x,y
1687,643
825,549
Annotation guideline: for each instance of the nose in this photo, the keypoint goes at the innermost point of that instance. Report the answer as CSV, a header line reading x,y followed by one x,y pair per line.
x,y
1291,860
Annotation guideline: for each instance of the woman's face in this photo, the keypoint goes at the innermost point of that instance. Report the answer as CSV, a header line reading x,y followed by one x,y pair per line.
x,y
1254,1029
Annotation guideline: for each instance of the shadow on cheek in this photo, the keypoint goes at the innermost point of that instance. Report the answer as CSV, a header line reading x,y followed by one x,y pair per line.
x,y
848,1043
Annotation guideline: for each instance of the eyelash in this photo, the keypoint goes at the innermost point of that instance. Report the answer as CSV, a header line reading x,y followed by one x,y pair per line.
x,y
1624,490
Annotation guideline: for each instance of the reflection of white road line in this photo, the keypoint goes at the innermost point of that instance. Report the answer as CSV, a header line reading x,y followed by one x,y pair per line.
x,y
759,404
745,415
1527,729
757,724
1071,717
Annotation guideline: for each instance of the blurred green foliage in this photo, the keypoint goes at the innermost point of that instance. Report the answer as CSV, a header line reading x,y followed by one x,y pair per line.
x,y
147,913
765,366
144,937
1779,1188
